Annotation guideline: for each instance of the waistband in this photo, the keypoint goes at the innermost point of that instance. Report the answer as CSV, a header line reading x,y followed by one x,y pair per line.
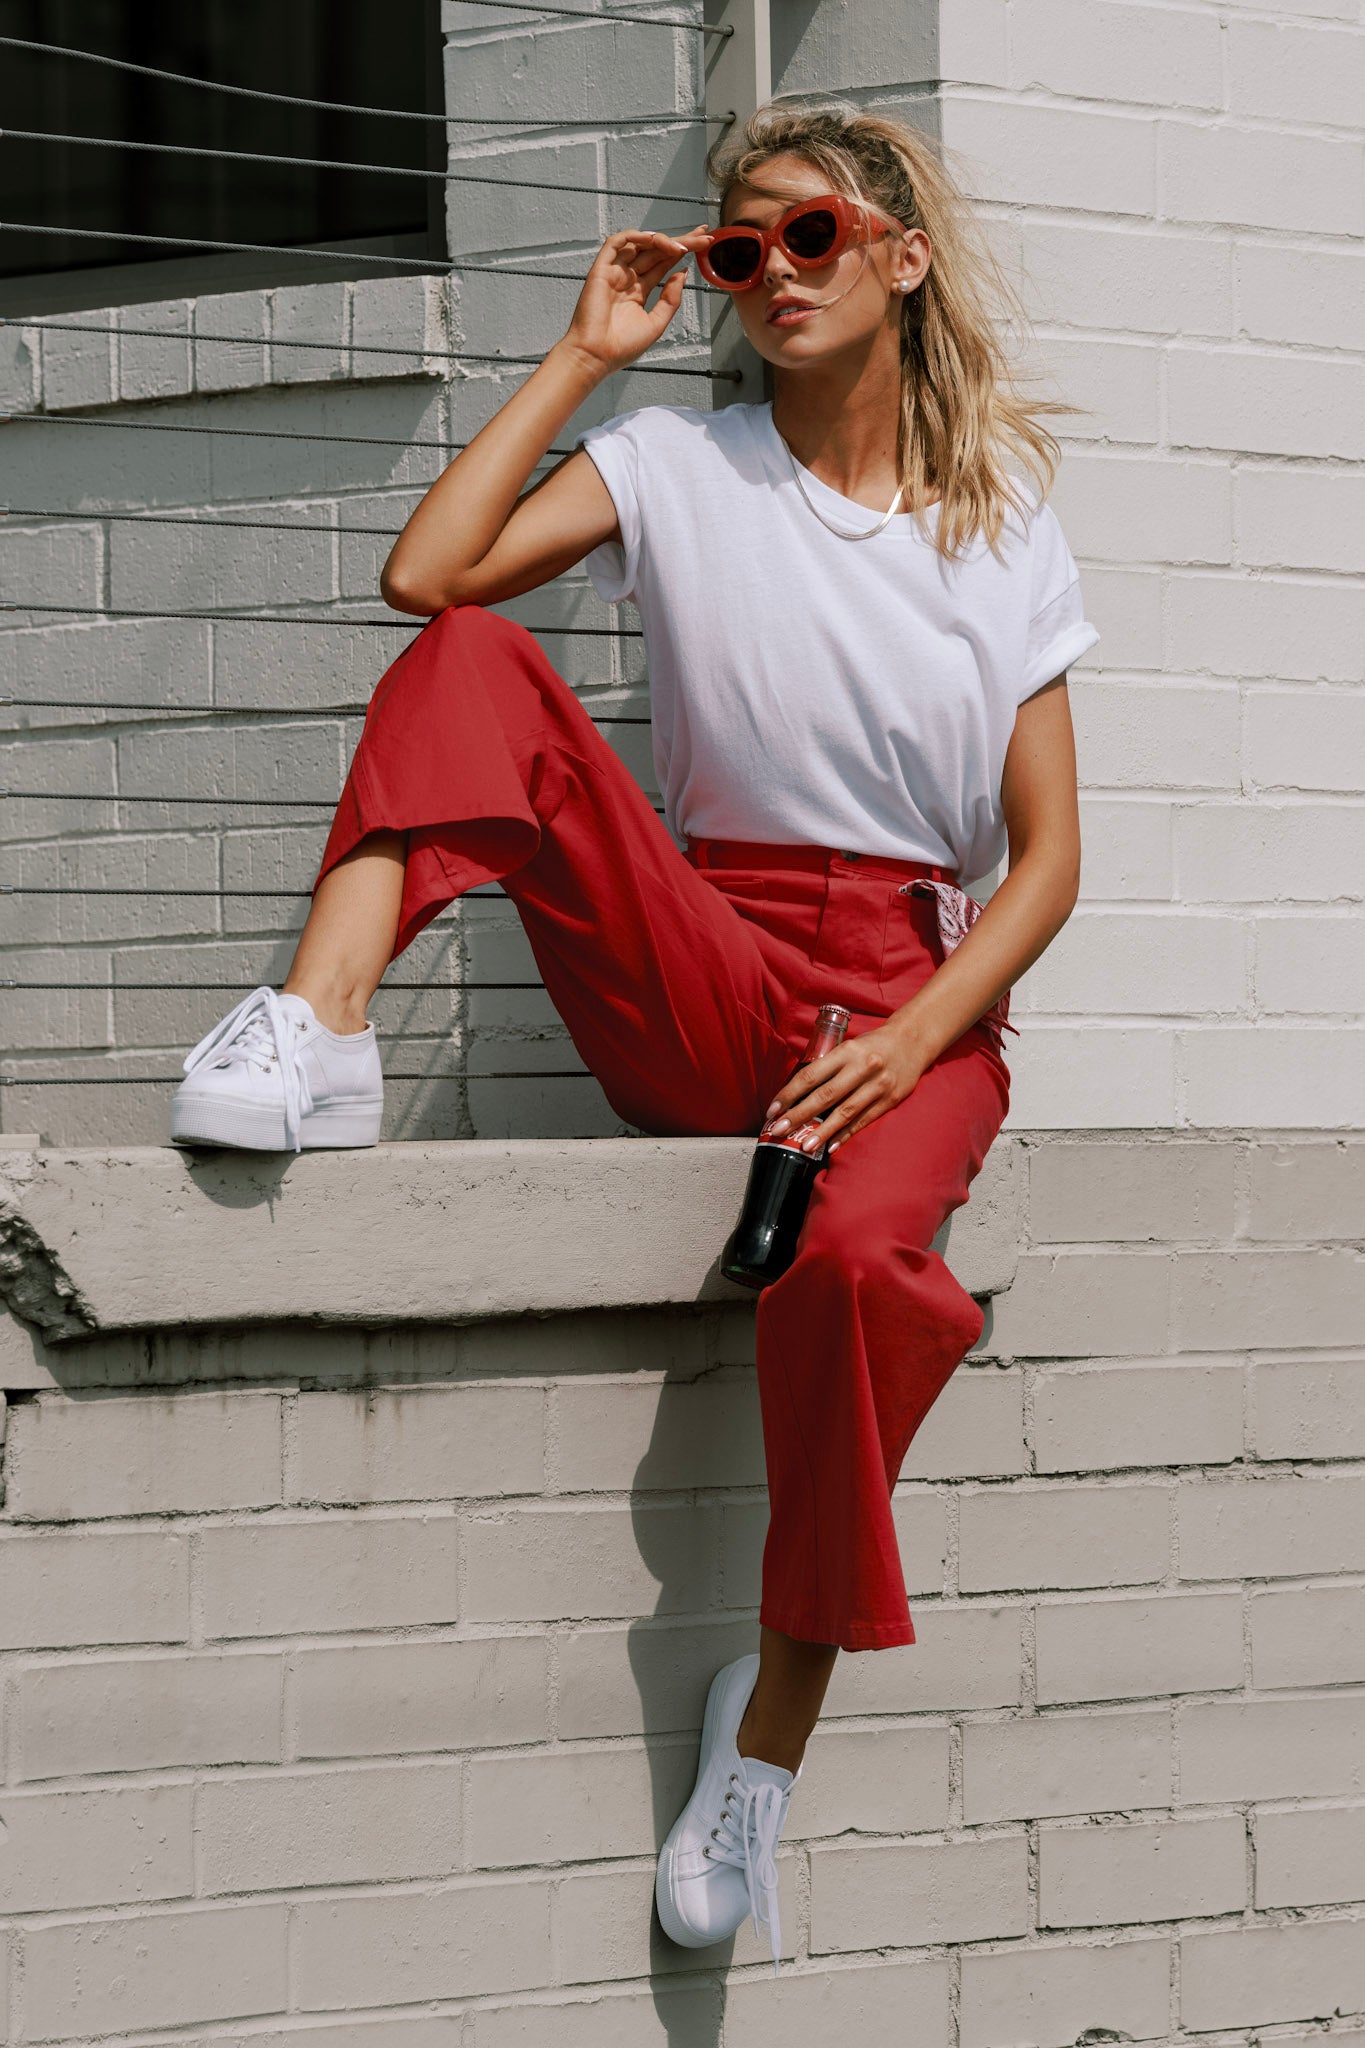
x,y
739,853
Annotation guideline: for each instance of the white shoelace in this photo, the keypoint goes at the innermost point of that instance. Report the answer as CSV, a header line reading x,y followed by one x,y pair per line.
x,y
750,1825
261,1029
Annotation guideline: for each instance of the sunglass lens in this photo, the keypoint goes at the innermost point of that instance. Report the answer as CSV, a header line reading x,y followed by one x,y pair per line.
x,y
812,234
735,259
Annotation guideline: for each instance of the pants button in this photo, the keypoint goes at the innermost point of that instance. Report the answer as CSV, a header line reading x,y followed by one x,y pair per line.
x,y
850,856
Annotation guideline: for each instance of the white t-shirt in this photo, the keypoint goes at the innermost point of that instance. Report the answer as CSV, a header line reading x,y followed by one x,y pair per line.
x,y
811,690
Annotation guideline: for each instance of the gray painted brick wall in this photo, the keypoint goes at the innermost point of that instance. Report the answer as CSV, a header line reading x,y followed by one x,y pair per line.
x,y
349,1684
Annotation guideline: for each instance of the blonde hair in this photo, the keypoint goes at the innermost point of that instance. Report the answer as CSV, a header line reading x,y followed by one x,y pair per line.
x,y
962,412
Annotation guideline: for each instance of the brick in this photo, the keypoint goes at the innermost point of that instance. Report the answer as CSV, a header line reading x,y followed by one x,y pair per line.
x,y
1116,385
907,1895
1304,739
1310,1858
1125,607
612,2020
458,1941
1289,73
1140,1870
154,1970
1268,1297
110,1714
1062,1536
154,366
64,1589
308,313
404,308
605,1927
1229,1076
568,1806
1262,627
283,1829
1310,966
1140,278
210,565
98,660
50,564
236,365
78,368
1176,961
975,1428
1300,518
518,219
1131,508
60,1850
1051,1996
419,1443
1307,1635
1235,1750
1180,736
1269,852
1265,1527
1308,1410
19,358
873,1781
966,1654
1256,178
358,1701
144,1454
814,2005
644,1679
1312,296
1251,1976
1264,404
547,1563
1065,1763
1089,1190
351,1572
1306,1190
1117,53
1125,1648
1110,1417
1053,156
618,1435
1084,1304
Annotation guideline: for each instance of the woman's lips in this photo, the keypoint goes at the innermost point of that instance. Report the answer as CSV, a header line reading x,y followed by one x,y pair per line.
x,y
788,316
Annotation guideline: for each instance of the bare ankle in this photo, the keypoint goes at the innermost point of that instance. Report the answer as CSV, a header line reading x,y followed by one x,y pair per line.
x,y
339,1011
769,1745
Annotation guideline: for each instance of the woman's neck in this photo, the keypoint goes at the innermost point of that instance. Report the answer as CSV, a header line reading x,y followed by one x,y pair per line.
x,y
842,424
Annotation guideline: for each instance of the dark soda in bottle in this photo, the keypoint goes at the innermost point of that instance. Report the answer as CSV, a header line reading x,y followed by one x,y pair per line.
x,y
781,1176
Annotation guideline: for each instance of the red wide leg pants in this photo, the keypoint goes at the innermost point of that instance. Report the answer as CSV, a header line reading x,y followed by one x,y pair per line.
x,y
689,982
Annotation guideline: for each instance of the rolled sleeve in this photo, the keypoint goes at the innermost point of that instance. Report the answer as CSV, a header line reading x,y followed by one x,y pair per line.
x,y
613,566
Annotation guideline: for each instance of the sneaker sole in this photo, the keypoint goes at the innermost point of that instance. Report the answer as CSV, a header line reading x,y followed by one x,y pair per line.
x,y
248,1128
673,1926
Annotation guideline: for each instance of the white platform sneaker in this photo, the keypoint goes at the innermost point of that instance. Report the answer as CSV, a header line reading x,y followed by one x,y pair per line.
x,y
269,1077
719,1862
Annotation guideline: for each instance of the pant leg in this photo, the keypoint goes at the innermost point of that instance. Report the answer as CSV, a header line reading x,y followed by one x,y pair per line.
x,y
855,1342
477,748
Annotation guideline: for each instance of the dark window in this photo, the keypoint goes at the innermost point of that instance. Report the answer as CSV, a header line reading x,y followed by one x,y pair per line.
x,y
362,52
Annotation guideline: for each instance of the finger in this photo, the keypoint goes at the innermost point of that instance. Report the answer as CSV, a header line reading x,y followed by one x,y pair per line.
x,y
817,1102
841,1122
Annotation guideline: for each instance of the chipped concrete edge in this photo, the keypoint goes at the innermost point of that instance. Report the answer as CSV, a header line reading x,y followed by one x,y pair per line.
x,y
33,1283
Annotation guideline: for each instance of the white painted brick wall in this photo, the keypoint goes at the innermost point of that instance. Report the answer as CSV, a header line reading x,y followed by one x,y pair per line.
x,y
349,1686
1181,187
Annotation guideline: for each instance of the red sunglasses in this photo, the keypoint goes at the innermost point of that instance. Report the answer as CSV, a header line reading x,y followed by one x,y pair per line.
x,y
811,233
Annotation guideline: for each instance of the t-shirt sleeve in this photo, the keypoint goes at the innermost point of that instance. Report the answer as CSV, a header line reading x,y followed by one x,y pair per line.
x,y
1059,632
614,446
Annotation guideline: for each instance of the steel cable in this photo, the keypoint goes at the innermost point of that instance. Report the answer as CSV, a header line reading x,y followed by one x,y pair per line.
x,y
234,710
63,419
412,265
414,625
367,348
322,163
161,1080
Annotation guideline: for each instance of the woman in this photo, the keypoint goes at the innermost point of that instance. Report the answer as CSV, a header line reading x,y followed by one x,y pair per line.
x,y
852,714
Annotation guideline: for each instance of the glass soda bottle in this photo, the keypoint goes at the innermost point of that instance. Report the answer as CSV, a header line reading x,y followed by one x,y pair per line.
x,y
781,1176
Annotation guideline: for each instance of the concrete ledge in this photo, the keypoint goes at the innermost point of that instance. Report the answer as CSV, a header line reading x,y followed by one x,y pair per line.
x,y
94,1241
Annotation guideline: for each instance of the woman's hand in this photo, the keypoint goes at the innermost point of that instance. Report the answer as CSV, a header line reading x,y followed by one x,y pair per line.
x,y
847,1089
610,323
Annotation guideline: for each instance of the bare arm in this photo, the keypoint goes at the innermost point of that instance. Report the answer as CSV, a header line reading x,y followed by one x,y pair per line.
x,y
864,1077
478,534
1038,798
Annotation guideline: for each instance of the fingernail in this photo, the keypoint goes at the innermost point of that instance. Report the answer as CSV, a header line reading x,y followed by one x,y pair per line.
x,y
783,1124
770,1111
